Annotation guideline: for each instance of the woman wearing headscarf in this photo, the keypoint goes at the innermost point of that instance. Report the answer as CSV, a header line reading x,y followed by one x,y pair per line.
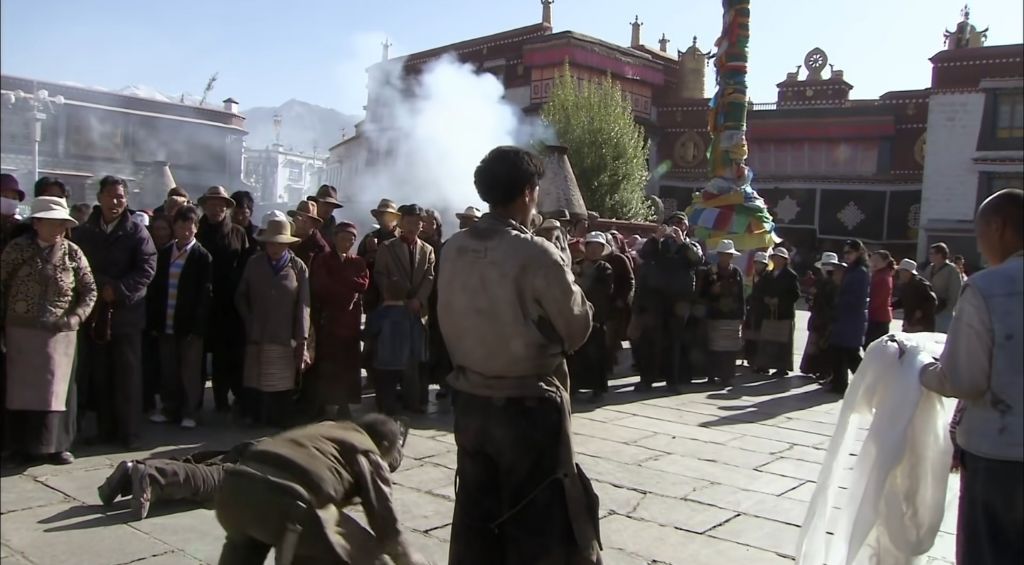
x,y
623,285
881,295
48,290
588,367
781,291
273,301
438,363
755,311
337,281
821,300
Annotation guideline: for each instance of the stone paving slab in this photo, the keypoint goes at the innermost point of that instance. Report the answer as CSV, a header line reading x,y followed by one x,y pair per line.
x,y
710,476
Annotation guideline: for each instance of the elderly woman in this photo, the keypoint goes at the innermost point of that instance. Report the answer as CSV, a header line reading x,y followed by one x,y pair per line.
x,y
48,290
775,346
589,368
821,301
755,311
337,281
725,309
273,300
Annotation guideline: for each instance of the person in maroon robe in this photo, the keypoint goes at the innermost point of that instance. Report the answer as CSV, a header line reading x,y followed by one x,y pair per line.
x,y
337,281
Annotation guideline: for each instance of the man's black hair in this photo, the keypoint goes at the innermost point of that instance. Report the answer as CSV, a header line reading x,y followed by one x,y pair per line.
x,y
940,248
46,182
854,245
506,173
387,435
243,199
410,210
111,180
186,214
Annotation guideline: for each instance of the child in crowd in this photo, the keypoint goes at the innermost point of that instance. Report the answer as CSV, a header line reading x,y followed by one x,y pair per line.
x,y
396,341
178,308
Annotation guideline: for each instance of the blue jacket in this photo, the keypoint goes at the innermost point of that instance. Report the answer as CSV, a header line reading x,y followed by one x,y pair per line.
x,y
397,338
851,319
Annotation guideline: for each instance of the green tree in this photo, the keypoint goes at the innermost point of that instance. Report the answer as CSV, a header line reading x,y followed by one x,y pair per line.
x,y
607,148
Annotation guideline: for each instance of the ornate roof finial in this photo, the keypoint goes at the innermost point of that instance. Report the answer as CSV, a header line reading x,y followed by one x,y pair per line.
x,y
663,43
546,12
634,41
695,41
966,13
384,49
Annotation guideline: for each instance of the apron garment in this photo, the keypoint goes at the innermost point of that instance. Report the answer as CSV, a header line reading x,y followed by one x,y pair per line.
x,y
39,367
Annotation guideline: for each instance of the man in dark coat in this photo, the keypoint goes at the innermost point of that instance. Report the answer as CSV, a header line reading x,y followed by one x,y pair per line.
x,y
914,295
288,492
851,320
781,291
241,216
123,260
228,244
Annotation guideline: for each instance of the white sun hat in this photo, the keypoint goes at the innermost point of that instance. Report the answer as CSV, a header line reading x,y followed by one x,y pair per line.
x,y
52,208
908,265
728,247
761,257
598,237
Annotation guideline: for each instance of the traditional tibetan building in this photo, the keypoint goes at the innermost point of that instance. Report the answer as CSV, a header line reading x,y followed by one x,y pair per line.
x,y
829,166
96,132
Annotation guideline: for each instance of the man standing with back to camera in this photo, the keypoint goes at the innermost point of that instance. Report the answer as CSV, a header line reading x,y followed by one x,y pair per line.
x,y
510,313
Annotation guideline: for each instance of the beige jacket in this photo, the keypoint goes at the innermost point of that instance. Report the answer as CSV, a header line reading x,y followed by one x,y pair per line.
x,y
946,283
508,309
275,308
392,263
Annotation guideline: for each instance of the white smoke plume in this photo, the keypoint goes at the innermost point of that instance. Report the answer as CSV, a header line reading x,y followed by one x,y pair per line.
x,y
424,137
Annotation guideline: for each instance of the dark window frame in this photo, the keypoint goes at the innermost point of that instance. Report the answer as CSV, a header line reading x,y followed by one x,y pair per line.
x,y
988,179
987,136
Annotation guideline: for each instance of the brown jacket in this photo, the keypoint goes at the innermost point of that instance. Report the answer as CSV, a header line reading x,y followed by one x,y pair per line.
x,y
275,308
508,309
337,464
416,275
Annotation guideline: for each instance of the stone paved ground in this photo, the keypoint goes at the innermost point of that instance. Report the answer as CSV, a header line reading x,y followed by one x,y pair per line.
x,y
710,476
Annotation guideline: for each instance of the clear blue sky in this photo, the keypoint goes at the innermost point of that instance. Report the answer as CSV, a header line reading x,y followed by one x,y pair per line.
x,y
316,50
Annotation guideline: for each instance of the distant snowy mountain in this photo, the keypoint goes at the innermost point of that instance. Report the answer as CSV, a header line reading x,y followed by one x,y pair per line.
x,y
143,91
303,126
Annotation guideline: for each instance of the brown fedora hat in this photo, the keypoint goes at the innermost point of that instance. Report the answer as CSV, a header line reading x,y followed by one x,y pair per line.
x,y
306,209
386,206
326,195
215,193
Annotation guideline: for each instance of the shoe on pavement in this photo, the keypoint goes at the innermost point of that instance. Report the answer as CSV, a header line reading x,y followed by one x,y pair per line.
x,y
111,487
158,418
141,492
780,373
61,458
188,423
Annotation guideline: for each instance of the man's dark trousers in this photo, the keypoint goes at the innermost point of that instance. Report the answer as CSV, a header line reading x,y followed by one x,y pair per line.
x,y
991,514
114,372
508,452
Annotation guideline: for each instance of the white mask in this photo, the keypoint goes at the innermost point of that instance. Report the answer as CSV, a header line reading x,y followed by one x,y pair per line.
x,y
8,206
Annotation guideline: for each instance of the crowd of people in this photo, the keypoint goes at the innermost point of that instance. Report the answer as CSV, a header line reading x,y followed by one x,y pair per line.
x,y
278,309
116,313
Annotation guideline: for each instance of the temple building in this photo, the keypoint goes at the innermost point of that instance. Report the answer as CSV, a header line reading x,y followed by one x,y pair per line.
x,y
96,132
830,167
